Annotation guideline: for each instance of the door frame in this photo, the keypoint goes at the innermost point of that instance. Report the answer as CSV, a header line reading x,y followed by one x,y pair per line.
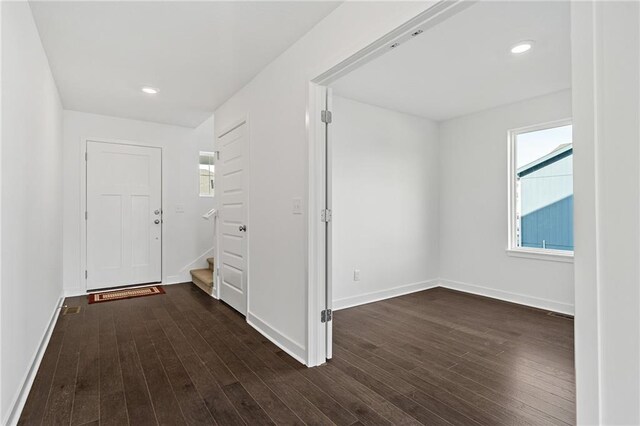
x,y
83,204
218,241
319,334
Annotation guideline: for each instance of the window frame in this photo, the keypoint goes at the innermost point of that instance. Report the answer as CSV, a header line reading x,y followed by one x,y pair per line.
x,y
512,246
213,155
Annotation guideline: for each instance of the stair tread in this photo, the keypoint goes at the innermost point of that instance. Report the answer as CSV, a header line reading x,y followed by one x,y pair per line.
x,y
204,275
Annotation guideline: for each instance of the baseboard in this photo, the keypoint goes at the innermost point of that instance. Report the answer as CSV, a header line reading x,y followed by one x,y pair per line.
x,y
362,299
177,279
184,273
280,340
21,398
521,299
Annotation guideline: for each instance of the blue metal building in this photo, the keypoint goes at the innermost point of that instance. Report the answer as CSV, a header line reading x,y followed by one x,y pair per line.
x,y
546,201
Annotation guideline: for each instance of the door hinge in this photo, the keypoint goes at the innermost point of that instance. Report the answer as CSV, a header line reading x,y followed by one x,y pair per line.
x,y
86,274
86,156
86,215
325,215
326,315
326,116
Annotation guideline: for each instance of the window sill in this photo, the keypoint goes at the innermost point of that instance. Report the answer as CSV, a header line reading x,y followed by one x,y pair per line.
x,y
207,196
552,255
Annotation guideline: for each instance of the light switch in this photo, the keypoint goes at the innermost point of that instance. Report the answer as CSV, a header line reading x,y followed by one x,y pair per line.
x,y
297,206
356,274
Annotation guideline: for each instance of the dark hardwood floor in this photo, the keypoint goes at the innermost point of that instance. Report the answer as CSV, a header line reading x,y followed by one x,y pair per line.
x,y
437,357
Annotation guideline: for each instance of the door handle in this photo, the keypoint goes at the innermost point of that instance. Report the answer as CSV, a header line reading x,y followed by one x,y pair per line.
x,y
157,221
243,228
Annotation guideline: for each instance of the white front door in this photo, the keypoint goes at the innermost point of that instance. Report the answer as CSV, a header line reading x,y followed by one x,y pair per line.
x,y
123,215
232,181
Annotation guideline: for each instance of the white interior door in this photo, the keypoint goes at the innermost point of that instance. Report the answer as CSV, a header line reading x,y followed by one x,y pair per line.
x,y
124,215
232,180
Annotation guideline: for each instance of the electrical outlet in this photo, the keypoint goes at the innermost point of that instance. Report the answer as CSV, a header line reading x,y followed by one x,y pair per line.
x,y
297,206
356,274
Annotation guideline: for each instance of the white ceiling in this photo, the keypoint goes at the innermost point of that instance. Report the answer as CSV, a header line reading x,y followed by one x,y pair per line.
x,y
197,53
464,64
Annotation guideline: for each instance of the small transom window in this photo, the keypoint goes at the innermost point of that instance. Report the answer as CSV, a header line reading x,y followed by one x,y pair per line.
x,y
207,174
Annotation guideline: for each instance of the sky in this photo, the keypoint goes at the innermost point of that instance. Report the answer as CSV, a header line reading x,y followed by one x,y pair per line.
x,y
533,145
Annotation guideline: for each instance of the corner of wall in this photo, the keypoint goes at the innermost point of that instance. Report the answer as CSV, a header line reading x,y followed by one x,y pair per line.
x,y
297,351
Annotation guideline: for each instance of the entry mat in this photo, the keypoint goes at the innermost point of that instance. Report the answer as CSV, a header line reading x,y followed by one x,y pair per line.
x,y
127,293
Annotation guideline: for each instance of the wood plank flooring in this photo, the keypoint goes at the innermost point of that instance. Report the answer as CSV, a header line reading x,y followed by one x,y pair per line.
x,y
437,357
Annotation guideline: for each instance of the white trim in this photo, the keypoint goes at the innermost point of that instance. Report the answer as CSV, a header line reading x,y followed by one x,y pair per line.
x,y
432,16
83,203
316,331
363,299
521,299
20,399
1,232
512,241
184,274
542,254
294,349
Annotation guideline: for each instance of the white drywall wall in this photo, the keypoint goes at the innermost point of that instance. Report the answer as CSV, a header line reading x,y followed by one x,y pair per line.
x,y
31,283
275,102
606,82
473,208
385,202
187,238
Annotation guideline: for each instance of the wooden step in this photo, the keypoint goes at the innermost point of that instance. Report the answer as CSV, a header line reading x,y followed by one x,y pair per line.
x,y
203,278
211,263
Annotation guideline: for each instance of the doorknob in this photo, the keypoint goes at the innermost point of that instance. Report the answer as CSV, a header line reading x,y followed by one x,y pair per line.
x,y
156,212
157,221
243,228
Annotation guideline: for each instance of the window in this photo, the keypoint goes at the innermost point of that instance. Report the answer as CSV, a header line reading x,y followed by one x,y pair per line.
x,y
541,189
207,174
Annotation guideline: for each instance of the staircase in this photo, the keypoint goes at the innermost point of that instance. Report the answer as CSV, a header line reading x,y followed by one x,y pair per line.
x,y
203,278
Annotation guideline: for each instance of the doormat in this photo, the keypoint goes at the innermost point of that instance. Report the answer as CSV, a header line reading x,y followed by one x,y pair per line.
x,y
125,294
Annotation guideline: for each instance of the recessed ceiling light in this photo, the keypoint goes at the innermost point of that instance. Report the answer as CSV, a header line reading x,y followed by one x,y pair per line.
x,y
522,47
150,90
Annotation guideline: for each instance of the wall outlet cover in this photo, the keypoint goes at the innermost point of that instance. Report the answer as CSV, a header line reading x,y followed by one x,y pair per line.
x,y
297,206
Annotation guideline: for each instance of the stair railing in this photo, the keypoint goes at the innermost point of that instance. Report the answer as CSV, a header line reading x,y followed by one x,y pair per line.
x,y
211,213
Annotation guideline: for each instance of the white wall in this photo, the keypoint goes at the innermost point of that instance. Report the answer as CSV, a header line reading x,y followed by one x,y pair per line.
x,y
473,208
606,64
31,283
275,101
385,202
187,238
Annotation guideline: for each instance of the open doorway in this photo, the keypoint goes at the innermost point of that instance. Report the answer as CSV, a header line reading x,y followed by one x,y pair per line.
x,y
449,188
